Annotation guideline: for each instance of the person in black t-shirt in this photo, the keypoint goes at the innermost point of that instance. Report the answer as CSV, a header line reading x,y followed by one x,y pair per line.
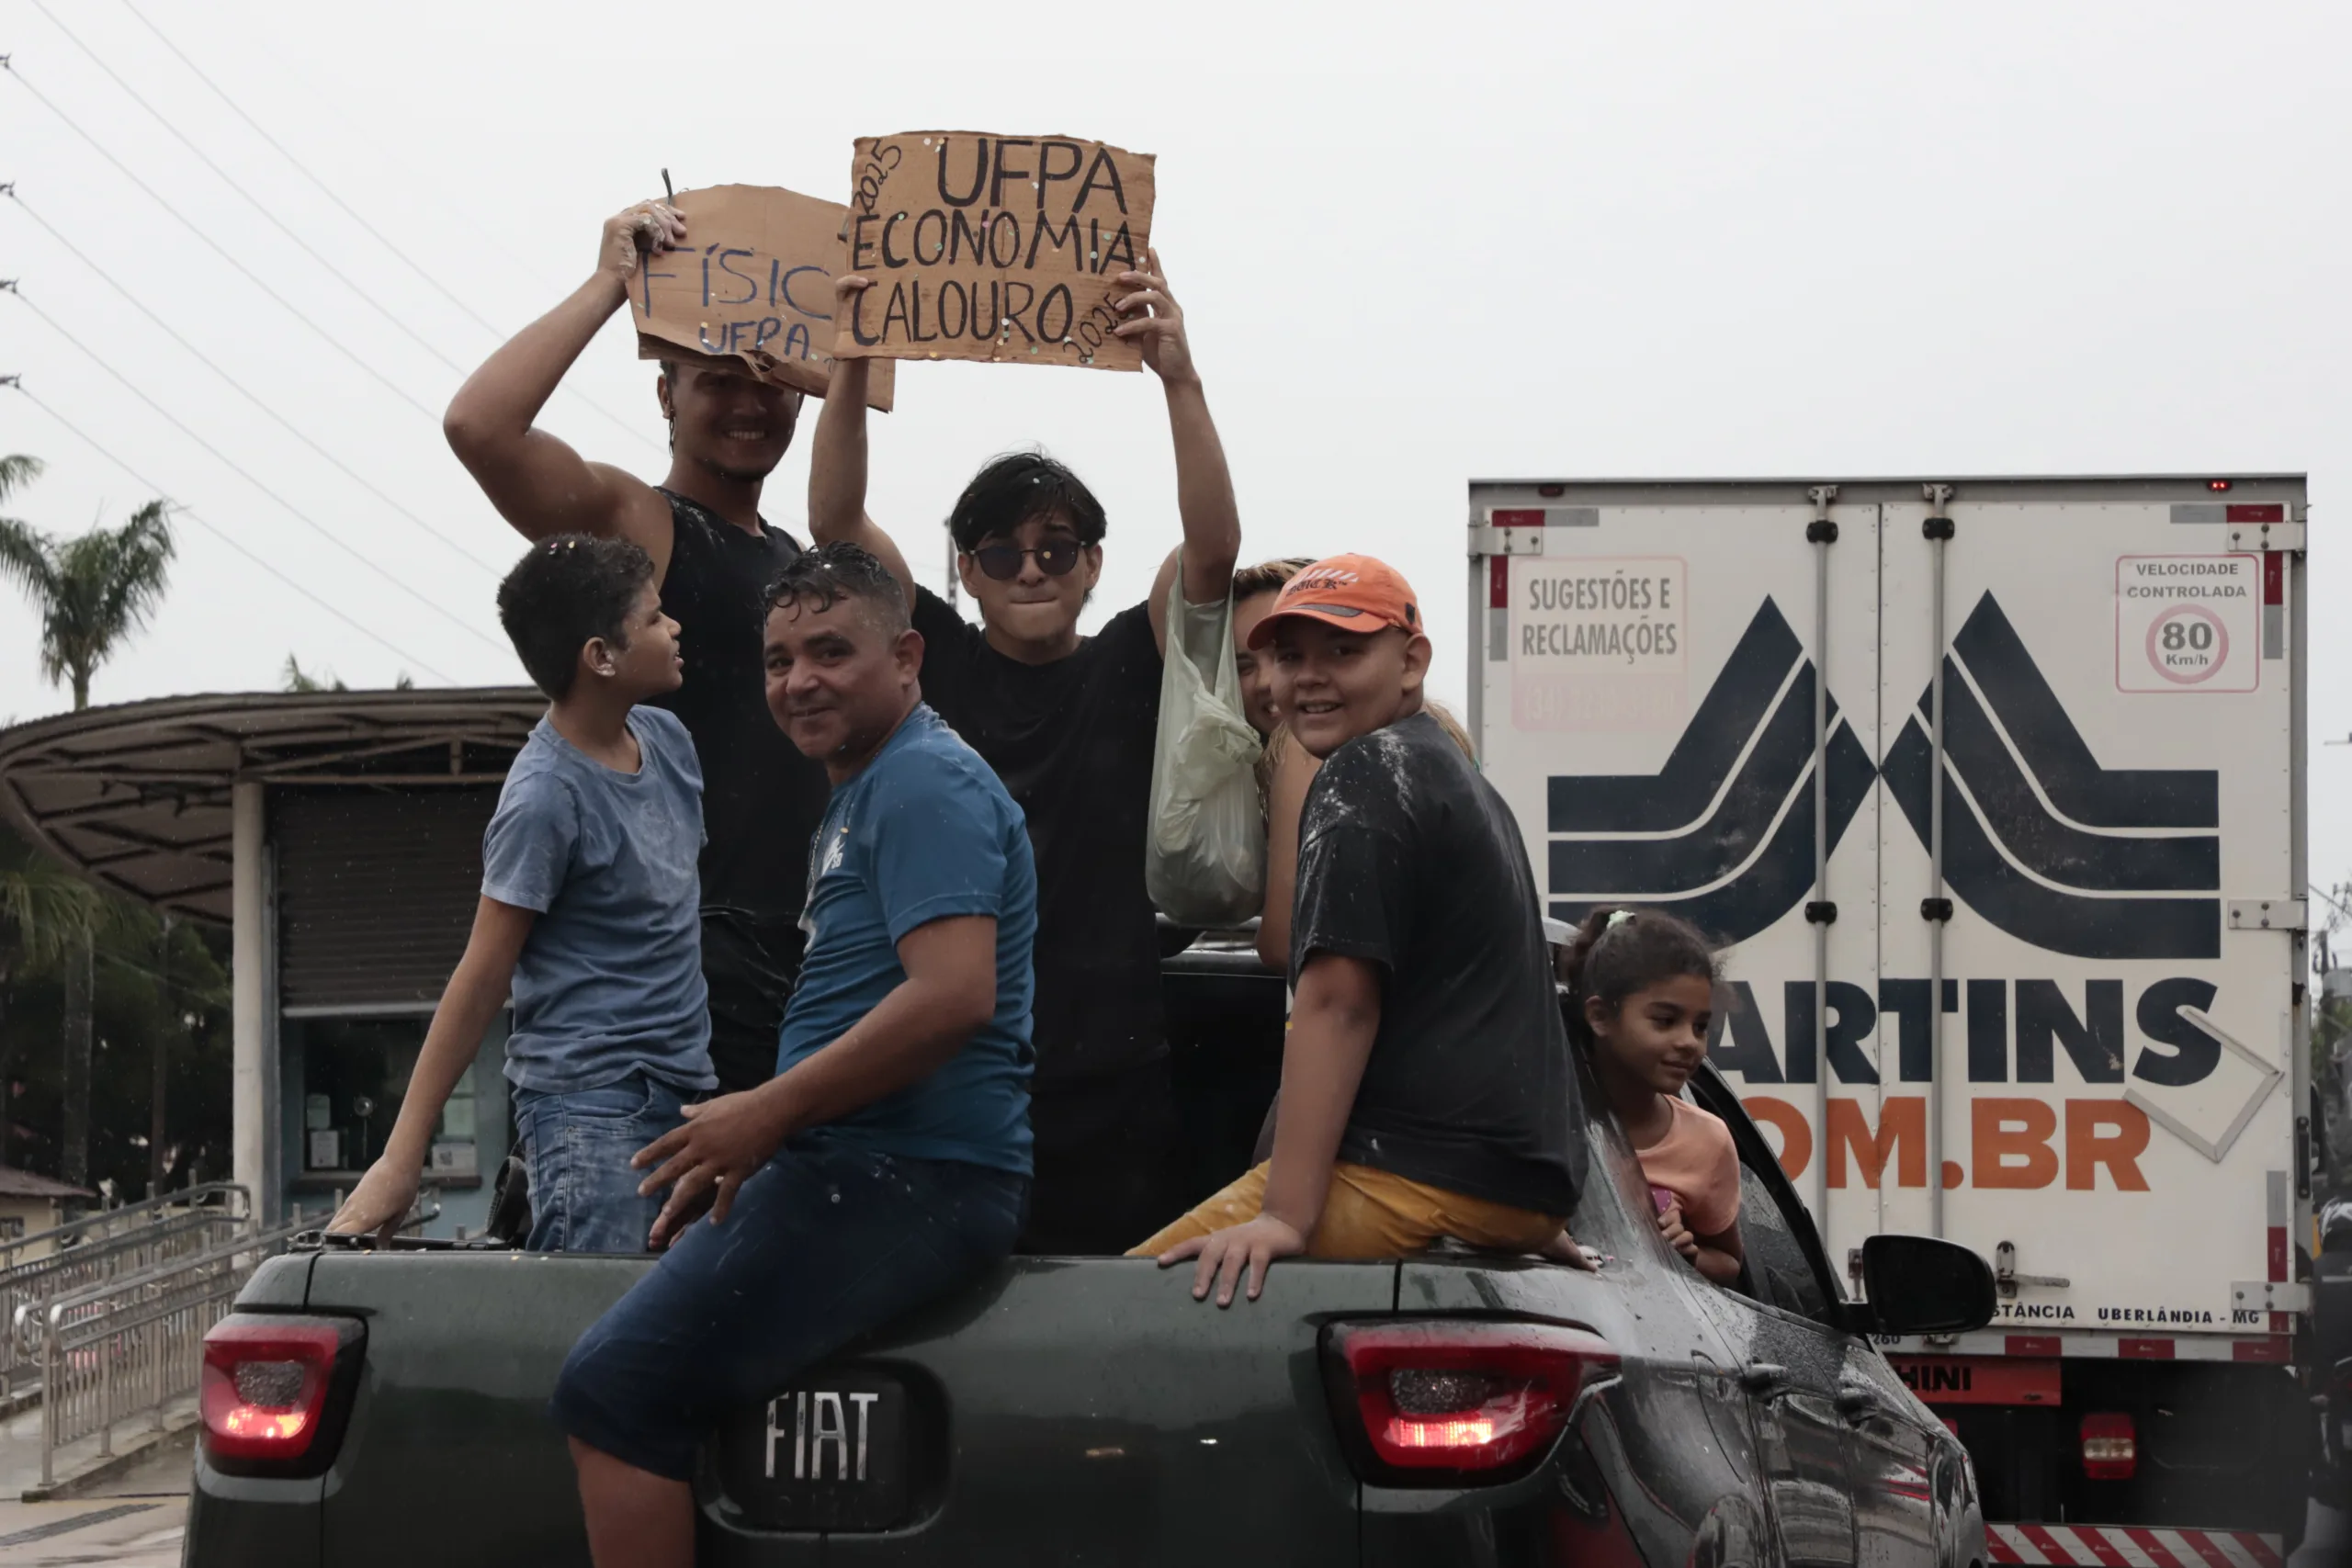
x,y
1069,723
1427,1086
713,559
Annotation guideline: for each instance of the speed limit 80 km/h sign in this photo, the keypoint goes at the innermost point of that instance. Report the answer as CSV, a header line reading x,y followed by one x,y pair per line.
x,y
2187,623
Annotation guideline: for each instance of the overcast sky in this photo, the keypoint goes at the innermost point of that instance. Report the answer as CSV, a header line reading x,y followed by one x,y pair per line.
x,y
1415,244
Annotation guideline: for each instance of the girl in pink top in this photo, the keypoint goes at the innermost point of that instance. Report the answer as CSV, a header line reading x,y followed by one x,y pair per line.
x,y
1642,988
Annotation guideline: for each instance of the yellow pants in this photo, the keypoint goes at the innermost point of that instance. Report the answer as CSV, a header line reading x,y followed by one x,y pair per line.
x,y
1370,1214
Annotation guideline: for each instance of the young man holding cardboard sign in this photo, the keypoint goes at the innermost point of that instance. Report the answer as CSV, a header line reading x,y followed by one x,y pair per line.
x,y
1068,723
712,557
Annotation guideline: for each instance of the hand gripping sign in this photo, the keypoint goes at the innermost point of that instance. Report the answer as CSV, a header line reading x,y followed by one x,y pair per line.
x,y
752,290
994,248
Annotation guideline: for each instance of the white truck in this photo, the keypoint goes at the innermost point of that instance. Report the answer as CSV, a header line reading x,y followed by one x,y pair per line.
x,y
2014,896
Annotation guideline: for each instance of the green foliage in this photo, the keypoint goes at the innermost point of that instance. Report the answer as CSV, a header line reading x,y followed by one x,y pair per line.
x,y
94,590
44,910
150,988
294,678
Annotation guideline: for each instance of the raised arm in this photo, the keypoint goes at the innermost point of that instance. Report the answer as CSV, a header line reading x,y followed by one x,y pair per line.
x,y
1204,484
477,989
536,481
837,459
948,994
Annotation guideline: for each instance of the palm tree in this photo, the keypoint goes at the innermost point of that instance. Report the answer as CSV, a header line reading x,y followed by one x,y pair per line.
x,y
94,590
294,678
47,916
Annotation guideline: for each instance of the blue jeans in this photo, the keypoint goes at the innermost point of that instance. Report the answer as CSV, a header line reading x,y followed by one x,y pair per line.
x,y
825,1242
577,1146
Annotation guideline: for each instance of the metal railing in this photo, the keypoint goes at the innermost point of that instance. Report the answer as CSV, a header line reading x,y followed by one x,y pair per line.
x,y
107,1223
121,1351
114,1246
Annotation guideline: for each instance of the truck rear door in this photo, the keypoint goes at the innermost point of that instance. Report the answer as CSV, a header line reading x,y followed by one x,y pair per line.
x,y
1649,699
2119,847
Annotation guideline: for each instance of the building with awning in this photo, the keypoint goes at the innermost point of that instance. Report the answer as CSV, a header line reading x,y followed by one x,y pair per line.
x,y
338,836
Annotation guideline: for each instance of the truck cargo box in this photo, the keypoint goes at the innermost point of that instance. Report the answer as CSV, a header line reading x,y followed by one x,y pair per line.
x,y
1994,789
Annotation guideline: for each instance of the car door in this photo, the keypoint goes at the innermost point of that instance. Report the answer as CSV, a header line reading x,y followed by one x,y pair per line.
x,y
1784,1325
1893,1454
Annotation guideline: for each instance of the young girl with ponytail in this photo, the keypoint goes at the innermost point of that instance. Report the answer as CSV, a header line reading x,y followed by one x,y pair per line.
x,y
1642,994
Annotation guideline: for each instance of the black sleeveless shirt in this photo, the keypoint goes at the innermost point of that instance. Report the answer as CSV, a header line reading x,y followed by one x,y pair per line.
x,y
762,799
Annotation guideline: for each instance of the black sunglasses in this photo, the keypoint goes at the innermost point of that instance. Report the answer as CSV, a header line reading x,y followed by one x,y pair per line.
x,y
1002,563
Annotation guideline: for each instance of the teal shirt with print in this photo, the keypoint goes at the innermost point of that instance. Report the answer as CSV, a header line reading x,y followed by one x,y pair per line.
x,y
925,831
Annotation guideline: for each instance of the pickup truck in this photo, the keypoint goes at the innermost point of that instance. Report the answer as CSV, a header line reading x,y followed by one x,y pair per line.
x,y
365,1406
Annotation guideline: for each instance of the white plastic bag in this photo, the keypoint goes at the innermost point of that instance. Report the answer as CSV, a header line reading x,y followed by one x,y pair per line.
x,y
1204,846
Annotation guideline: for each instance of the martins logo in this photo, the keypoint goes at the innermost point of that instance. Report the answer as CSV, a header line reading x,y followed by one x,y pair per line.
x,y
2039,839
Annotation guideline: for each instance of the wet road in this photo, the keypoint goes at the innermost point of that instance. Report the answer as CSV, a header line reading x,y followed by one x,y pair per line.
x,y
133,1521
135,1532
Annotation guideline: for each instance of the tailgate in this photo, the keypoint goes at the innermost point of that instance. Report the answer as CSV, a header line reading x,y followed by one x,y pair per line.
x,y
449,1458
1093,1412
1066,1410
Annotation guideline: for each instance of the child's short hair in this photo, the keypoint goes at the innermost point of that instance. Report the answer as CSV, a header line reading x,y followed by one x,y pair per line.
x,y
1267,576
1617,952
826,575
1011,489
568,590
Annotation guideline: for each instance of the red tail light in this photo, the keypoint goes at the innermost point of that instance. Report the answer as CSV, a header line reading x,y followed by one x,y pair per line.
x,y
1485,1397
2110,1447
268,1386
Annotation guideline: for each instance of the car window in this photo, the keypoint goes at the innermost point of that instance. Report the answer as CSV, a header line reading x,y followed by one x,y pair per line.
x,y
1613,1192
1779,1272
1784,1266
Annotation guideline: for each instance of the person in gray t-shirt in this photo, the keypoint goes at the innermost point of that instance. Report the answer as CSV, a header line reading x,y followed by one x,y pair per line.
x,y
589,915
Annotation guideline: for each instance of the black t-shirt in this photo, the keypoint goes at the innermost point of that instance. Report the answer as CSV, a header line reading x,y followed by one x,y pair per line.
x,y
761,798
1409,859
1073,740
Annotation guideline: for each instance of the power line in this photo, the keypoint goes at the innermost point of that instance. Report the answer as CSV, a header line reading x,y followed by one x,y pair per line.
x,y
234,466
252,200
632,429
215,246
189,513
327,190
173,332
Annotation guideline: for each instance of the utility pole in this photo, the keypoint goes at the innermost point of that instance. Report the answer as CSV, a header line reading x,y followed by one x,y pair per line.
x,y
160,1060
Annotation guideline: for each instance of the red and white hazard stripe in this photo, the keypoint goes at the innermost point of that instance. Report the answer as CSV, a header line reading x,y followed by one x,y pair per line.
x,y
2130,1546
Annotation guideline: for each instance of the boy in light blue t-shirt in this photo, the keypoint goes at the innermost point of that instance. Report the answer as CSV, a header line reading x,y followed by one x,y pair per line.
x,y
589,914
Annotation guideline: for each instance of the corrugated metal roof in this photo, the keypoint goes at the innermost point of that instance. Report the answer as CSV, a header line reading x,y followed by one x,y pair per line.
x,y
136,796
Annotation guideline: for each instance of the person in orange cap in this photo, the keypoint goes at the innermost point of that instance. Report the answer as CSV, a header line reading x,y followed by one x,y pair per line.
x,y
1427,1086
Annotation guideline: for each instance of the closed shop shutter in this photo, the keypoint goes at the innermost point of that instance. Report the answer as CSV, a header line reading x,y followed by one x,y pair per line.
x,y
376,892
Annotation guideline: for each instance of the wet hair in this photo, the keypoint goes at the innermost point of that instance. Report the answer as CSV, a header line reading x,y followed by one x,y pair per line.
x,y
1011,489
1612,958
823,577
1267,576
1451,724
569,589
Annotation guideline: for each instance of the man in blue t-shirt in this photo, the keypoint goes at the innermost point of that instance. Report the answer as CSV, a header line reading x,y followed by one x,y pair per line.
x,y
888,1161
588,914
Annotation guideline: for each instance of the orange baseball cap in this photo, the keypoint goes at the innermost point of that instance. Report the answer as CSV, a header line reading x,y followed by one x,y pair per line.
x,y
1355,594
